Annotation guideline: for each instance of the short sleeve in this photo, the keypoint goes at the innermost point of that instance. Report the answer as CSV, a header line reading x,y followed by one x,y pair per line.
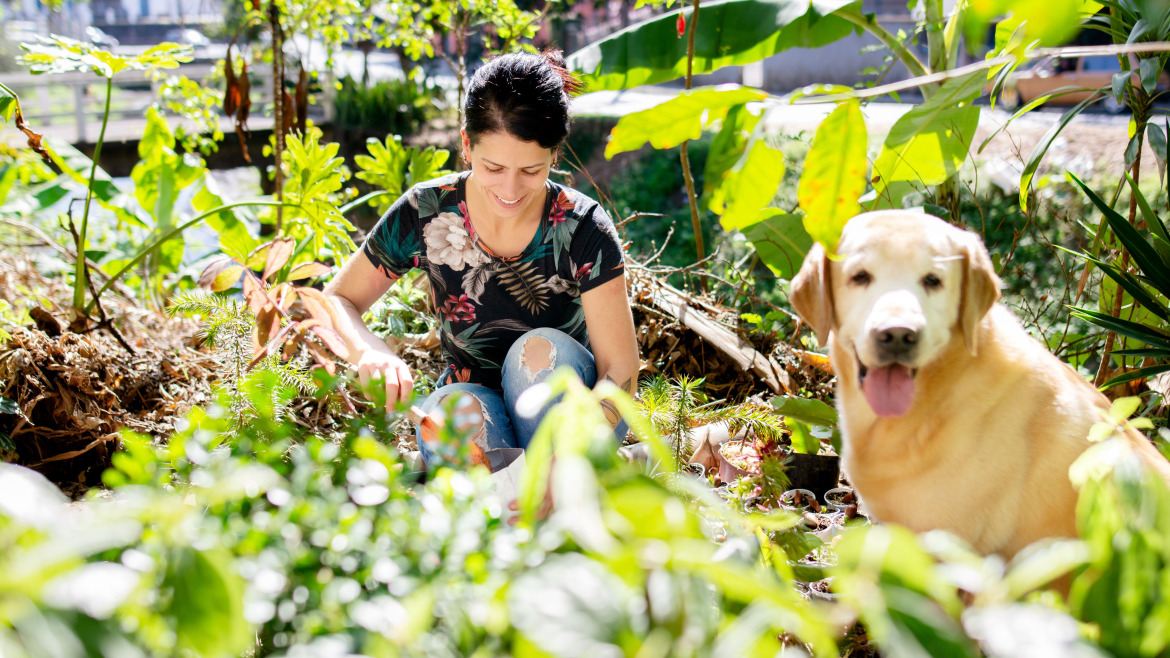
x,y
596,250
394,245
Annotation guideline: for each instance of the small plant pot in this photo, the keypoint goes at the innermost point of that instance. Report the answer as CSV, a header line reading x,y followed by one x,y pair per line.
x,y
800,500
732,454
840,498
817,473
696,469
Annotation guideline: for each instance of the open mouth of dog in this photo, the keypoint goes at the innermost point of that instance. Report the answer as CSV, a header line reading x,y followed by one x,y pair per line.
x,y
888,389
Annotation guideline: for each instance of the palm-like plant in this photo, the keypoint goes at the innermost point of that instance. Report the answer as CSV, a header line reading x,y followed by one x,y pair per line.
x,y
1148,286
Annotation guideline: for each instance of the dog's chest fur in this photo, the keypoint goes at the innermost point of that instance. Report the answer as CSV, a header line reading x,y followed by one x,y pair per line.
x,y
962,458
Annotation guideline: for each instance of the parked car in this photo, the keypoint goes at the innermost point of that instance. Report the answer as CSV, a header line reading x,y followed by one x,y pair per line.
x,y
1086,74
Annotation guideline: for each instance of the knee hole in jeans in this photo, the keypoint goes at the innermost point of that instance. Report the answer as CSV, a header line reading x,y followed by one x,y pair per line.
x,y
538,353
470,415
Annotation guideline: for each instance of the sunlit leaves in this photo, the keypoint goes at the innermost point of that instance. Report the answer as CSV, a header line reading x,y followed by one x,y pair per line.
x,y
1050,23
57,54
394,168
929,143
679,119
729,32
834,174
750,185
314,176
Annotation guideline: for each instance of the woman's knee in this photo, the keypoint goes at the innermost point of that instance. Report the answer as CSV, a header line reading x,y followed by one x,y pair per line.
x,y
541,350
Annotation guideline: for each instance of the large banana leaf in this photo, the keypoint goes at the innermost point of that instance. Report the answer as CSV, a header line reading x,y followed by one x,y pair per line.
x,y
930,142
728,33
780,240
834,174
683,117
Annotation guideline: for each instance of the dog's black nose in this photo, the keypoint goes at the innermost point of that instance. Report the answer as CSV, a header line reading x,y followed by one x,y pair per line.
x,y
896,339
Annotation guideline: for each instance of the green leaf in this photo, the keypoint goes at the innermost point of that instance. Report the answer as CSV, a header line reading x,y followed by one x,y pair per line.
x,y
805,410
1144,255
781,241
1148,70
731,32
681,118
1042,146
726,150
9,103
9,406
206,603
929,143
834,174
1147,335
803,442
57,54
750,185
1051,23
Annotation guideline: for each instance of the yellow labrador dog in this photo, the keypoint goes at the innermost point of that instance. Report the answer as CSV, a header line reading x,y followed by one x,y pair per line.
x,y
953,417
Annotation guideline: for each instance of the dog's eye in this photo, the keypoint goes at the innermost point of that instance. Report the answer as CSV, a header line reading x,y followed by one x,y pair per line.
x,y
931,282
862,278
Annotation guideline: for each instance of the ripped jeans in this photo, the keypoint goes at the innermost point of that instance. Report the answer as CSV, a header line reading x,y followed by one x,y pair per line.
x,y
530,360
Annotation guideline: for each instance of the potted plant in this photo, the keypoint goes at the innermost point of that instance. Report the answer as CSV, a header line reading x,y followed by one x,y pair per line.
x,y
811,424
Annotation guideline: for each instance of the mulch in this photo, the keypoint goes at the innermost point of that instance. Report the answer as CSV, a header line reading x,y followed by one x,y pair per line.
x,y
77,392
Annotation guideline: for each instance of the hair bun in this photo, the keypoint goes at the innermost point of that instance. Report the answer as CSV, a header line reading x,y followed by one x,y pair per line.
x,y
556,59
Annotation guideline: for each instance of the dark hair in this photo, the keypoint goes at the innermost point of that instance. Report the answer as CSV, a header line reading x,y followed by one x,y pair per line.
x,y
522,94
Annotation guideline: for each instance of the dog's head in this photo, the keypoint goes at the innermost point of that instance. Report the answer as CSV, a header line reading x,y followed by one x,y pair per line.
x,y
904,285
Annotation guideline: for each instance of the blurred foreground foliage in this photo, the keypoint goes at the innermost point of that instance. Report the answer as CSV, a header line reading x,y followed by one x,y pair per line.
x,y
260,539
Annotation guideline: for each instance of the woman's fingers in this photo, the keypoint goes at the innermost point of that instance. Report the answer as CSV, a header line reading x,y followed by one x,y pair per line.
x,y
405,384
392,388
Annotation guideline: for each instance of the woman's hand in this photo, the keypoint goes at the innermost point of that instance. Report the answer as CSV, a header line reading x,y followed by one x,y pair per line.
x,y
377,368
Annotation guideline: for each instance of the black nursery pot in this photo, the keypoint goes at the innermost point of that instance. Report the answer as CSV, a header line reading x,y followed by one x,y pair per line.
x,y
817,473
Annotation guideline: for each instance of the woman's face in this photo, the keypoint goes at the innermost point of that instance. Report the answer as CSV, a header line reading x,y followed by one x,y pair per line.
x,y
509,172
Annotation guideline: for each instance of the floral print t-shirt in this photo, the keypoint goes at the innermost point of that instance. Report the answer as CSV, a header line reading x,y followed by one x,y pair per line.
x,y
485,303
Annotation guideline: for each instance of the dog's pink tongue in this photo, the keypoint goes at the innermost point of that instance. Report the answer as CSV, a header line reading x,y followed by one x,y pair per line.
x,y
889,390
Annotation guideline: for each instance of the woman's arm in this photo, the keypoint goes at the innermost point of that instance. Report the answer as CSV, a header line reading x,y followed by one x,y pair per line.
x,y
611,337
354,289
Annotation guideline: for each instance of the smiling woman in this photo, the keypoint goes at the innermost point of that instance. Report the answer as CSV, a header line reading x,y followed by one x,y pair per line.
x,y
526,275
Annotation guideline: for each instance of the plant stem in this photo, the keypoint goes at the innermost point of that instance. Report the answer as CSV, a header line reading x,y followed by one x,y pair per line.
x,y
149,249
890,41
948,190
688,178
277,107
82,273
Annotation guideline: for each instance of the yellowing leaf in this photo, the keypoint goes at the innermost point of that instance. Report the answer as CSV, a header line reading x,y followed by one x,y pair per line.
x,y
683,117
834,174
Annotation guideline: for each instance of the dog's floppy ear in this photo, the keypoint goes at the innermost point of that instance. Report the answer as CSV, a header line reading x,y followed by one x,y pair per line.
x,y
980,289
812,293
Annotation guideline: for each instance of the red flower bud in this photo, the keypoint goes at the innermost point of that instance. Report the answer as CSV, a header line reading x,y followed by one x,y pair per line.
x,y
681,25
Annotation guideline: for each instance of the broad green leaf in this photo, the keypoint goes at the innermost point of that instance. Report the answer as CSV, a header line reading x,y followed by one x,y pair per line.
x,y
679,119
234,238
781,241
206,603
806,410
731,32
803,441
726,150
1050,23
930,142
750,185
834,174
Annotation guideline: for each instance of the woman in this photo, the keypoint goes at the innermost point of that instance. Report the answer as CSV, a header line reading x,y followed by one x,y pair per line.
x,y
526,274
